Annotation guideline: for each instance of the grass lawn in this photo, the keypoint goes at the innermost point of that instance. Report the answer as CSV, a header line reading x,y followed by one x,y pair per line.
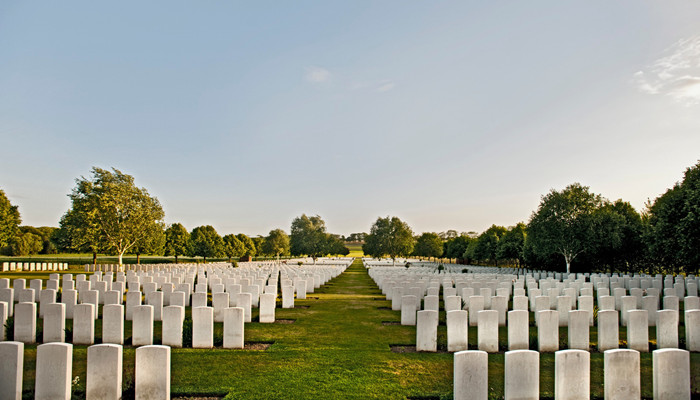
x,y
338,347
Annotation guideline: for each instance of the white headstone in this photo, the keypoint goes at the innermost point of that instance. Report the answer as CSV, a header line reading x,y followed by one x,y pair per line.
x,y
572,374
487,331
152,372
202,327
54,370
522,375
671,374
234,328
173,317
471,378
113,324
621,374
11,370
104,372
426,331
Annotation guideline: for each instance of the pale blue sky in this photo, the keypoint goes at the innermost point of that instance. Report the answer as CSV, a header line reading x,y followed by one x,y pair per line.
x,y
449,115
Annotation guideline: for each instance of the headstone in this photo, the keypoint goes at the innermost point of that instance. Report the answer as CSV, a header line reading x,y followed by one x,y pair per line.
x,y
667,329
267,308
650,303
54,323
155,300
457,330
488,331
426,331
476,305
133,299
287,296
202,327
500,304
25,323
3,320
578,332
563,307
692,330
244,301
234,328
431,303
608,330
408,310
572,375
84,324
113,324
518,330
522,375
104,372
621,374
142,326
638,330
671,374
7,296
11,368
548,331
152,371
471,378
172,325
54,370
178,299
220,302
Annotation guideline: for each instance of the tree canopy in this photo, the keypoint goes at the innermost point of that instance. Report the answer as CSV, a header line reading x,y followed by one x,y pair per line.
x,y
308,236
233,247
249,249
429,244
389,237
276,243
206,242
109,212
177,241
510,245
674,224
564,222
9,220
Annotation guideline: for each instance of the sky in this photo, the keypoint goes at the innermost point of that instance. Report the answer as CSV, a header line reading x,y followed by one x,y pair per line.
x,y
448,115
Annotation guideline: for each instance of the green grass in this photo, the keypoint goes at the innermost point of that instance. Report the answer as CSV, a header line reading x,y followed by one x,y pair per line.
x,y
355,250
337,348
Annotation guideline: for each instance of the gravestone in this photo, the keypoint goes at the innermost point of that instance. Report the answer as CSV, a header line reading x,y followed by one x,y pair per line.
x,y
54,369
113,324
522,375
578,332
572,374
54,323
84,324
548,331
518,330
471,378
487,331
142,326
25,323
667,329
152,371
457,330
671,374
104,372
11,367
608,330
234,328
173,317
621,374
202,327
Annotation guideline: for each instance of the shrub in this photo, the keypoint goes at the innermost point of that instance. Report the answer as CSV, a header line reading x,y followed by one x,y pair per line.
x,y
187,332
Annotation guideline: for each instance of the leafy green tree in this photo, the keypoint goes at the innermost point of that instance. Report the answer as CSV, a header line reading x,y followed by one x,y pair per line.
x,y
248,244
429,244
276,243
335,245
564,223
674,224
308,237
9,220
45,233
487,244
177,241
25,244
153,242
510,245
389,237
206,242
233,247
109,212
455,247
258,243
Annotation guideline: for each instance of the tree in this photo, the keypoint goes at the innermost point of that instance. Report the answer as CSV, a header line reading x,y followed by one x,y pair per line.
x,y
511,244
177,241
308,237
486,246
153,242
455,247
25,244
249,246
563,223
78,232
9,220
673,221
258,243
335,245
276,243
206,242
108,211
391,237
428,245
233,247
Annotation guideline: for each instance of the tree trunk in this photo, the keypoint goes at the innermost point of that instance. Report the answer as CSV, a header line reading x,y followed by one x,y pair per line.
x,y
205,259
94,258
138,258
175,258
120,258
568,264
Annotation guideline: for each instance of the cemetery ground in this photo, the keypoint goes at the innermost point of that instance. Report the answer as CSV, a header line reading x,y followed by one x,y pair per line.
x,y
344,342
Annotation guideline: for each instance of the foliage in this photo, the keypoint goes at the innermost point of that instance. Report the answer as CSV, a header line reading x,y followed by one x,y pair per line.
x,y
276,243
356,237
308,236
248,245
109,212
673,234
9,220
206,242
153,242
428,245
455,247
233,247
177,241
389,237
510,245
25,244
336,246
564,223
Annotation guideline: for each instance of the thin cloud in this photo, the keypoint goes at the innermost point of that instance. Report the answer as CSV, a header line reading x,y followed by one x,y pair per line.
x,y
386,86
317,74
676,75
